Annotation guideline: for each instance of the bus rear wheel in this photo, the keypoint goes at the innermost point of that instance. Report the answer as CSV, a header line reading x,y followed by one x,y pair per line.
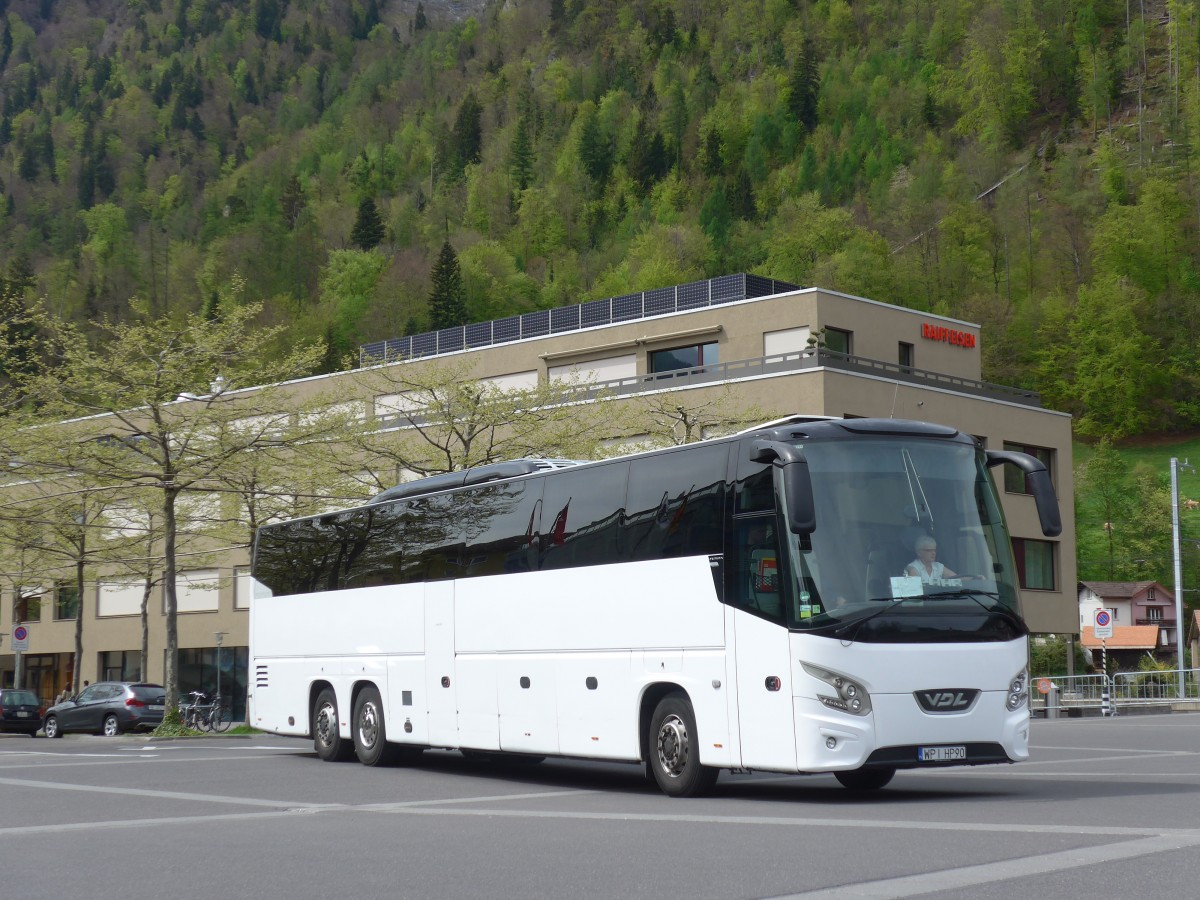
x,y
330,745
865,779
370,730
674,750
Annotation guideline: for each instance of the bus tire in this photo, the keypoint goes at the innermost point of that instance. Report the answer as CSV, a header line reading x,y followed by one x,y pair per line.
x,y
865,779
330,745
673,756
370,729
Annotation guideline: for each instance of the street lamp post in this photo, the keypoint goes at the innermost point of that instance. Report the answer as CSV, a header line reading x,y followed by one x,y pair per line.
x,y
1178,558
219,635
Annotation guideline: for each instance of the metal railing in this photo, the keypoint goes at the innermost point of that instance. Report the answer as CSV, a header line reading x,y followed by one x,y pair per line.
x,y
815,358
1124,690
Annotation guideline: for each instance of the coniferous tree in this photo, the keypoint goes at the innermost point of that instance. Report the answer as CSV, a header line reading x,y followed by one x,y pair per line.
x,y
367,233
467,136
520,156
447,303
292,202
804,84
420,23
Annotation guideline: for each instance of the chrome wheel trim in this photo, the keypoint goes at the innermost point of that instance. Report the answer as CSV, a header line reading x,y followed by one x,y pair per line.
x,y
111,726
368,725
326,723
673,746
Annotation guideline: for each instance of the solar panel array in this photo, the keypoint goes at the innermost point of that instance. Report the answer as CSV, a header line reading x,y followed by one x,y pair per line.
x,y
562,319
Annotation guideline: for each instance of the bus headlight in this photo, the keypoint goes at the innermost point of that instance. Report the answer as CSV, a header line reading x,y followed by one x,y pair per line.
x,y
851,697
1018,691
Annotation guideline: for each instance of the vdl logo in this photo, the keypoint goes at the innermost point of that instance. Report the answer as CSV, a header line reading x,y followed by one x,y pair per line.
x,y
949,700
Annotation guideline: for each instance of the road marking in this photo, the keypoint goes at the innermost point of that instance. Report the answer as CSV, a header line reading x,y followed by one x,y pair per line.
x,y
165,795
990,873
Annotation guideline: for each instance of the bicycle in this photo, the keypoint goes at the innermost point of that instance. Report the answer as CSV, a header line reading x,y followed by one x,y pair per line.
x,y
205,713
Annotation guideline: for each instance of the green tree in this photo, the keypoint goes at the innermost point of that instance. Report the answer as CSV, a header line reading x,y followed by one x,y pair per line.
x,y
368,230
153,405
520,156
466,139
447,300
804,86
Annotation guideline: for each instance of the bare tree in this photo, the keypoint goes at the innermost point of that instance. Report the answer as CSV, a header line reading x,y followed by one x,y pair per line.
x,y
440,418
683,416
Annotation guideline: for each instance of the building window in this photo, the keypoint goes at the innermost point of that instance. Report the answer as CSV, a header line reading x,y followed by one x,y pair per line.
x,y
684,357
906,357
1112,612
66,600
1035,564
1014,479
121,665
839,341
1150,593
27,606
1154,613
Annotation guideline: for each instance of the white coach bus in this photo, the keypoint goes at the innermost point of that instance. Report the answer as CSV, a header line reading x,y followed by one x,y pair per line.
x,y
743,603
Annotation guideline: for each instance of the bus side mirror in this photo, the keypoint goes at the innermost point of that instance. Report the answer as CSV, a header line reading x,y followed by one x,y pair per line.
x,y
1039,484
793,483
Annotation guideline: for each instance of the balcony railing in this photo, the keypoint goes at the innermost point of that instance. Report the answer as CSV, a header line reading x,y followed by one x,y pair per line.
x,y
1162,623
778,364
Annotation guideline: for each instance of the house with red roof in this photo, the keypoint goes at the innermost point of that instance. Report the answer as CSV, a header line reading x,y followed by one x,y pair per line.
x,y
1143,619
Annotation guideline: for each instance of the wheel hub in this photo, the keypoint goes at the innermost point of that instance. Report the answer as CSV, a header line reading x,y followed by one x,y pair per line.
x,y
368,725
672,746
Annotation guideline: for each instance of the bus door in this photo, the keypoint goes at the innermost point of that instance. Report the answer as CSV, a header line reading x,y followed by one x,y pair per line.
x,y
440,675
762,654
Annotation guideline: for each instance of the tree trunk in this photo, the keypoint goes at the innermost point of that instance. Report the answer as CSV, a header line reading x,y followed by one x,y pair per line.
x,y
78,613
145,655
171,673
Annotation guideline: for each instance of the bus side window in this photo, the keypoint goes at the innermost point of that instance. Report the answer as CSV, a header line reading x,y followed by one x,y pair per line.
x,y
757,586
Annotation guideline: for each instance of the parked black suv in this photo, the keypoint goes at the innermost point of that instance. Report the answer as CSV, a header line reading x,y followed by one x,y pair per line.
x,y
108,708
20,712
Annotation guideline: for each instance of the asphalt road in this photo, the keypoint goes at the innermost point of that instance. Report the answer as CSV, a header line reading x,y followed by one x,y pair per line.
x,y
1106,808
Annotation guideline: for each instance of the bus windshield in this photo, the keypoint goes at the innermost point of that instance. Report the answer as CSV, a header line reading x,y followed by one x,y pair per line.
x,y
910,538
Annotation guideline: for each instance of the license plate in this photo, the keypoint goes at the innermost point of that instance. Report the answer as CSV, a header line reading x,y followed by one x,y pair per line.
x,y
942,754
154,708
22,714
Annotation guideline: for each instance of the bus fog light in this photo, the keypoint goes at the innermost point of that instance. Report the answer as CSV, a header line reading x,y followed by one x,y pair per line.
x,y
851,697
831,743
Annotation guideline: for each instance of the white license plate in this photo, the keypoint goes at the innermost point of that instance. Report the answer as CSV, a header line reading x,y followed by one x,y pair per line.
x,y
153,708
941,754
22,714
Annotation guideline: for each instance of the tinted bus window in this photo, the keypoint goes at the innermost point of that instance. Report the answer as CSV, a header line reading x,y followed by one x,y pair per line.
x,y
356,548
433,539
500,525
581,516
675,503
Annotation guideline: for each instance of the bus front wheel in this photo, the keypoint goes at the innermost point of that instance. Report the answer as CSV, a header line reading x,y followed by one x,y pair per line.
x,y
674,750
370,730
865,779
330,745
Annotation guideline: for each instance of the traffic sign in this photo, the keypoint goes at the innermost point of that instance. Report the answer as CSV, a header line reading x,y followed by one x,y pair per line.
x,y
1044,685
20,641
1104,628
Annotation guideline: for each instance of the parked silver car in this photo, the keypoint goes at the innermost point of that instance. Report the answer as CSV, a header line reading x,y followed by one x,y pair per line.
x,y
108,708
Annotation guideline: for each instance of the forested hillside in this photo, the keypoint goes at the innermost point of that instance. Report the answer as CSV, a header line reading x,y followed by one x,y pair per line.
x,y
1026,164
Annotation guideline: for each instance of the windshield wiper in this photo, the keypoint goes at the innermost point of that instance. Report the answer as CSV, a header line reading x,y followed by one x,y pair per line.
x,y
893,602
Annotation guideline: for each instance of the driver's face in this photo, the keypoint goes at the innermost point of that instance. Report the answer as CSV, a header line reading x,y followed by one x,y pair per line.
x,y
927,552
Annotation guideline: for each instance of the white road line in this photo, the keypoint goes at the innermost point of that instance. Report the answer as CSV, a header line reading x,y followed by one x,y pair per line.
x,y
165,795
989,873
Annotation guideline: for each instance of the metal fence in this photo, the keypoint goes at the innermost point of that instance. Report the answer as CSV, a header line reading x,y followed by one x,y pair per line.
x,y
1078,694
